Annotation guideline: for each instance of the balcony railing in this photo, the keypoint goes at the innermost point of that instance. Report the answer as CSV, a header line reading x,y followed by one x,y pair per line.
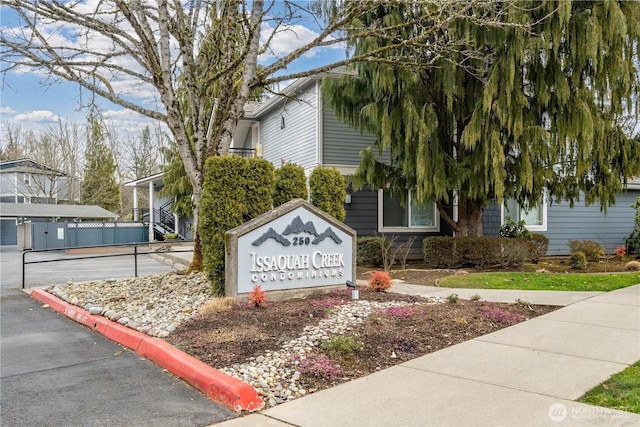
x,y
243,152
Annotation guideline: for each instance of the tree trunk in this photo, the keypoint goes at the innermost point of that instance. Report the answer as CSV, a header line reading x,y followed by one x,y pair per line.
x,y
469,221
197,260
469,218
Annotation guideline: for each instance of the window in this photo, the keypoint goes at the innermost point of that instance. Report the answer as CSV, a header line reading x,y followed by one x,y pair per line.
x,y
535,218
392,216
26,178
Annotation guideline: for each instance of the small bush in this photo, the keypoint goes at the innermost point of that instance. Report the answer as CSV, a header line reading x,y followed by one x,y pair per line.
x,y
632,266
512,229
258,297
592,250
475,297
341,345
516,252
620,252
369,252
525,304
453,298
540,246
217,304
578,260
380,281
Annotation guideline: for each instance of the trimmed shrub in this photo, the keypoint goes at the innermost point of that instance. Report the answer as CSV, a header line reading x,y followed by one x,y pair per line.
x,y
258,180
290,183
456,252
540,246
515,252
369,251
328,190
590,249
439,252
235,190
578,260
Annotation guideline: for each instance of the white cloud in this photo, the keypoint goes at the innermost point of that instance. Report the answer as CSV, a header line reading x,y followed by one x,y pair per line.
x,y
37,116
289,38
7,110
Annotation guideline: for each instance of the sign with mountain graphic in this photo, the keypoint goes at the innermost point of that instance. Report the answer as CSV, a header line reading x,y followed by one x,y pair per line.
x,y
292,247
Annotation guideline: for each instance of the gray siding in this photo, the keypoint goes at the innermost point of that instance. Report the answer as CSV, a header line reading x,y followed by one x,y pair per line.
x,y
579,223
491,220
8,232
341,144
297,141
362,216
589,223
362,213
8,184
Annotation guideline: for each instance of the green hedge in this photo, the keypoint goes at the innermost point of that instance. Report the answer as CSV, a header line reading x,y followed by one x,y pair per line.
x,y
290,183
328,190
369,251
456,252
235,190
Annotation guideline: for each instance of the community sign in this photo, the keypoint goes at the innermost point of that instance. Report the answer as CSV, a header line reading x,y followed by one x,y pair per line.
x,y
294,246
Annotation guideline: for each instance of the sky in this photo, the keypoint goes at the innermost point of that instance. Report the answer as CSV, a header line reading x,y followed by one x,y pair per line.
x,y
32,102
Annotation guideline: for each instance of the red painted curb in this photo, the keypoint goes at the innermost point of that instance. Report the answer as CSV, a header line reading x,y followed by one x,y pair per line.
x,y
219,387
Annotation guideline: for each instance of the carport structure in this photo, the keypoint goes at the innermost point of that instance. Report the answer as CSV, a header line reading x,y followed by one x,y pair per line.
x,y
11,214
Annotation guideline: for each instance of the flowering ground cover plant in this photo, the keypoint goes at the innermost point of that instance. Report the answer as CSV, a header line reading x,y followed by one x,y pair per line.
x,y
235,334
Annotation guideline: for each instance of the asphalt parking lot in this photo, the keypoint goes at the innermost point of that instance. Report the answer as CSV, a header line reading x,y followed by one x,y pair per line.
x,y
54,371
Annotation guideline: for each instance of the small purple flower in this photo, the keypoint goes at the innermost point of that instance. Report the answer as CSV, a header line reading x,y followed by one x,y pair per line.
x,y
399,311
500,315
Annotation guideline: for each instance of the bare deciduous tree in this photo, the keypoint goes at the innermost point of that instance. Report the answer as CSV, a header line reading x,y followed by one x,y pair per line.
x,y
200,59
12,144
59,150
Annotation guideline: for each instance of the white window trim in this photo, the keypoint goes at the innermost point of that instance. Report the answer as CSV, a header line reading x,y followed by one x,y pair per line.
x,y
408,229
532,228
26,179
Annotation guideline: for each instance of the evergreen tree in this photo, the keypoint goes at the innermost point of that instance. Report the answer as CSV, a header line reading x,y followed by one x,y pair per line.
x,y
99,186
176,182
540,110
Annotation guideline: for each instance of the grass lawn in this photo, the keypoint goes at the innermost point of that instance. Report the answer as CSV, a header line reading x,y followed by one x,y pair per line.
x,y
543,281
621,391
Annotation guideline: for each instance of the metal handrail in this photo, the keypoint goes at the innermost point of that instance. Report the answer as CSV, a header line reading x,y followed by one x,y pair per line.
x,y
134,254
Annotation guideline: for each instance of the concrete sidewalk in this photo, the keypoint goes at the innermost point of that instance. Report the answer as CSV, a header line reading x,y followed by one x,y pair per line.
x,y
526,375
